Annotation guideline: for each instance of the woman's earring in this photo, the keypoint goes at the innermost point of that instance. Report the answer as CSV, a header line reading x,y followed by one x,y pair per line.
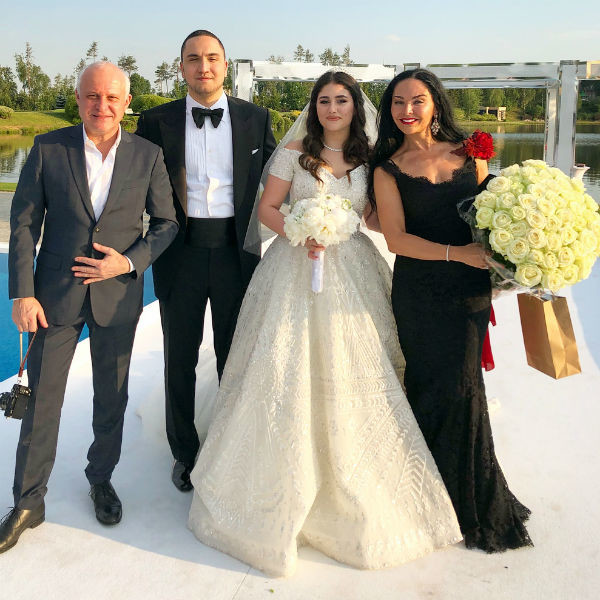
x,y
435,125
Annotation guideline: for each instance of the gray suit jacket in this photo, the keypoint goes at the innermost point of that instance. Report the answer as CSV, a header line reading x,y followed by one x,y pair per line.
x,y
53,191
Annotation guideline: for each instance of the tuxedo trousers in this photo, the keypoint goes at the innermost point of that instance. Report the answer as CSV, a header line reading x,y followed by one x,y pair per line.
x,y
203,274
48,367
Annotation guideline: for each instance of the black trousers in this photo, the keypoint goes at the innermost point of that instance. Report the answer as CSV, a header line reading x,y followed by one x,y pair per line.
x,y
204,274
47,368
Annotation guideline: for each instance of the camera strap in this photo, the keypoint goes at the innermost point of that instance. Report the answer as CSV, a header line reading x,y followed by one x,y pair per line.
x,y
24,360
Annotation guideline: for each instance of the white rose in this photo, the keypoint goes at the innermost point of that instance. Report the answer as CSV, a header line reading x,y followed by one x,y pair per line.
x,y
485,199
536,189
536,257
550,260
527,201
588,240
553,280
517,251
499,185
585,264
536,219
570,274
510,171
536,238
536,164
590,203
569,235
518,213
519,228
499,239
579,223
528,275
565,256
565,215
554,241
506,201
578,185
546,205
501,220
484,217
553,223
578,249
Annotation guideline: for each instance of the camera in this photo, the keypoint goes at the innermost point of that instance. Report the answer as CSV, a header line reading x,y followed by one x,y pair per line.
x,y
14,403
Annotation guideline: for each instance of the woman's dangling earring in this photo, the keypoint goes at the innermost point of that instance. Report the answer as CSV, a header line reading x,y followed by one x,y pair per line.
x,y
435,125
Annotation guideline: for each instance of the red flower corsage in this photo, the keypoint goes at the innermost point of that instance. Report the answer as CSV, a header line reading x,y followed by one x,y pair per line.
x,y
479,145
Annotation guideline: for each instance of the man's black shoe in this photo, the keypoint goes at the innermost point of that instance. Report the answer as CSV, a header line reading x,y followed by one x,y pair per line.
x,y
16,522
181,476
106,503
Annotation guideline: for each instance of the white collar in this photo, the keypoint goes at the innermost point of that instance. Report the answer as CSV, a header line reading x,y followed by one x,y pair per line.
x,y
220,103
87,141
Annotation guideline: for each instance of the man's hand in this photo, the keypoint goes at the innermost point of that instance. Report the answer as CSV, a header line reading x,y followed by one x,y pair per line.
x,y
27,313
94,269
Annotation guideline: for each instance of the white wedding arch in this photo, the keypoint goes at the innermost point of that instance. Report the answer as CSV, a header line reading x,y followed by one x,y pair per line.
x,y
561,81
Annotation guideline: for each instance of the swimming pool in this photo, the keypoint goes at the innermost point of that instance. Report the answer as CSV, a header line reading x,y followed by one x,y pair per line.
x,y
9,336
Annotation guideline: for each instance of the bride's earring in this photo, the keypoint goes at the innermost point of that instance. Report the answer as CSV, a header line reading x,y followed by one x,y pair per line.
x,y
435,125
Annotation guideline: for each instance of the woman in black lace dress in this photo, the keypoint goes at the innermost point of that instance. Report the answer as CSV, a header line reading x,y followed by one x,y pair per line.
x,y
441,300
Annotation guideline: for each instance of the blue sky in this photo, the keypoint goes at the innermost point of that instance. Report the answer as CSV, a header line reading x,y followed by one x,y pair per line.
x,y
386,32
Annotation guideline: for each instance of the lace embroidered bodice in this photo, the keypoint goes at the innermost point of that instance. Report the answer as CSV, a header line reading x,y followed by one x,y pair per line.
x,y
304,185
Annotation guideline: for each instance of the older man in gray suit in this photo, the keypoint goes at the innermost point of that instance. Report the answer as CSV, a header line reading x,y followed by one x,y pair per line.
x,y
89,186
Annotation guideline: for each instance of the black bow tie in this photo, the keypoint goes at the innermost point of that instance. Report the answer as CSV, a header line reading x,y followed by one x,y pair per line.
x,y
198,114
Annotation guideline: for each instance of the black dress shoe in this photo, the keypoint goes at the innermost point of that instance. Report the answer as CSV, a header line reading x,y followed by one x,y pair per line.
x,y
16,522
181,476
106,503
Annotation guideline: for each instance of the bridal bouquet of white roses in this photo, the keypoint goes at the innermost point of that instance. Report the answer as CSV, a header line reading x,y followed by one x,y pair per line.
x,y
541,224
328,219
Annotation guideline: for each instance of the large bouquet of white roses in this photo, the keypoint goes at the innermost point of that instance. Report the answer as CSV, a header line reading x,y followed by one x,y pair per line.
x,y
541,225
328,219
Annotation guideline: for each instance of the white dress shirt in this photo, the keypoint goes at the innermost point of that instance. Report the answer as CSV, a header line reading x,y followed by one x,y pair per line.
x,y
209,164
99,175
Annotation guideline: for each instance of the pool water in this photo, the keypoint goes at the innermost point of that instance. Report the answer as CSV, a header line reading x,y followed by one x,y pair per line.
x,y
9,335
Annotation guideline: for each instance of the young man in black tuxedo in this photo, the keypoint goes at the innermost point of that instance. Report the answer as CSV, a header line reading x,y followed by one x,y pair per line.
x,y
215,148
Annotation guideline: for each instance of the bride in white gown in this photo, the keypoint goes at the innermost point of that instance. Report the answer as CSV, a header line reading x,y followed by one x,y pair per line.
x,y
313,440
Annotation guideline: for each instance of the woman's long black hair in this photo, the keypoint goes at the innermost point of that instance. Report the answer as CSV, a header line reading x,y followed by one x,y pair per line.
x,y
390,138
356,147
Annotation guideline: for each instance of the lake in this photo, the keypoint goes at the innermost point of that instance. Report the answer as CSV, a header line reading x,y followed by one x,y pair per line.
x,y
513,143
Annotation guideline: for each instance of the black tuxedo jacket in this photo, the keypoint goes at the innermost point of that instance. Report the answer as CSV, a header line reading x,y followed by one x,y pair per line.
x,y
253,144
53,191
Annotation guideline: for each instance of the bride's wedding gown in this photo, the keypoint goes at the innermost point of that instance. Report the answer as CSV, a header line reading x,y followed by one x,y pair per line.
x,y
313,440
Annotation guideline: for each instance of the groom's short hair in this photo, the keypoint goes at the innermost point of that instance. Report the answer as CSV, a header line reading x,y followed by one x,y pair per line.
x,y
201,32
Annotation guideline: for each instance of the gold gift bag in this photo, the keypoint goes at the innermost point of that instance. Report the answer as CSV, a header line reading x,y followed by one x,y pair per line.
x,y
548,335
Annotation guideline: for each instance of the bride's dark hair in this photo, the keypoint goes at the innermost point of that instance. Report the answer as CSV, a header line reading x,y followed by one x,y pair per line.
x,y
356,147
390,138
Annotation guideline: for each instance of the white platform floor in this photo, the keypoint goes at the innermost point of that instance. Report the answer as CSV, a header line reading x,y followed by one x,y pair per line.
x,y
546,435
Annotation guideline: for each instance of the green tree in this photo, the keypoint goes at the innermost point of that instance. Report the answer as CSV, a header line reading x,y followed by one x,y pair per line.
x,y
128,64
37,92
329,57
309,56
8,87
345,58
299,53
79,67
163,75
470,101
92,52
275,59
294,95
139,85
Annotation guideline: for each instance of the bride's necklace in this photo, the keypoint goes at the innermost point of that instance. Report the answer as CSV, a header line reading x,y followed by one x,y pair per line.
x,y
333,149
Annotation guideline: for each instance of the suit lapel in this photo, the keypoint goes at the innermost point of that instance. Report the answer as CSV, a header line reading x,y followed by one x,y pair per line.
x,y
123,158
241,150
76,157
172,130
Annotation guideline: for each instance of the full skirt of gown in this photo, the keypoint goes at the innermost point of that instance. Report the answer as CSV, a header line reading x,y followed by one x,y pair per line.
x,y
313,440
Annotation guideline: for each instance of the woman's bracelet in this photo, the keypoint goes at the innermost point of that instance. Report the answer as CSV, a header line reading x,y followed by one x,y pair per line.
x,y
448,253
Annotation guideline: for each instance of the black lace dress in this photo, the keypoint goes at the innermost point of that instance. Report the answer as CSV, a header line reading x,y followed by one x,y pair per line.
x,y
442,311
